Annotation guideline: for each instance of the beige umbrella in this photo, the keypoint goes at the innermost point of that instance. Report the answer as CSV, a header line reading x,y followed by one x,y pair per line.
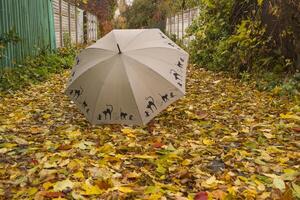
x,y
128,77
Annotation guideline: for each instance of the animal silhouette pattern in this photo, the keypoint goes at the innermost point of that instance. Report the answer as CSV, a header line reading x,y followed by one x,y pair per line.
x,y
150,106
179,64
123,116
172,45
162,35
85,107
76,93
147,114
176,75
165,97
108,112
172,95
77,60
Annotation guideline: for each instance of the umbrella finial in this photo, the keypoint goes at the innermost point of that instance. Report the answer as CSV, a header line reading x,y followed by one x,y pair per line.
x,y
120,52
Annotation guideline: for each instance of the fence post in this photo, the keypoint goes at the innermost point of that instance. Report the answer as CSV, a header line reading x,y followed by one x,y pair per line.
x,y
60,24
170,25
182,24
69,20
189,23
76,21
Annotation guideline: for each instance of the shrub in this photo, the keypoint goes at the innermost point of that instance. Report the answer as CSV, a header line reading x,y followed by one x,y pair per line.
x,y
36,69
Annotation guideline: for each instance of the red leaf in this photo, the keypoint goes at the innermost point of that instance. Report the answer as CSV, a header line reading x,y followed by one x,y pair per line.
x,y
158,145
34,161
201,196
53,194
296,129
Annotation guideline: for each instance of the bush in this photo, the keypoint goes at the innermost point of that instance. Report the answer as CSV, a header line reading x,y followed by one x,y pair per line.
x,y
241,44
36,69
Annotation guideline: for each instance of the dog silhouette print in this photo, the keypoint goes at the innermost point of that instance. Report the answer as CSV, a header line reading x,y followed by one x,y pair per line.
x,y
165,97
175,74
151,103
108,111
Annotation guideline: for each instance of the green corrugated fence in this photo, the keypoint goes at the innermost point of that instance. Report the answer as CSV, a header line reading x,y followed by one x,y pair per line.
x,y
33,22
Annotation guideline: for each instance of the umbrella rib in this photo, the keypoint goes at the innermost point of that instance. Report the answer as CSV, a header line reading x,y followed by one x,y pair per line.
x,y
149,67
86,70
99,92
169,48
133,39
134,97
102,49
156,58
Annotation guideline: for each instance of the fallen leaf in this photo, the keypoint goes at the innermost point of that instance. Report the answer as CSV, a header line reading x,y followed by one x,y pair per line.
x,y
201,196
63,185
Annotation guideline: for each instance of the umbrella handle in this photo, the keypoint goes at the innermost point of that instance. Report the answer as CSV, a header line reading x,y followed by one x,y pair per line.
x,y
120,52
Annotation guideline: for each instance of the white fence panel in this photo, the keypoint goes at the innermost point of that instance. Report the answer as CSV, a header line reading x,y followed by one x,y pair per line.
x,y
69,24
177,24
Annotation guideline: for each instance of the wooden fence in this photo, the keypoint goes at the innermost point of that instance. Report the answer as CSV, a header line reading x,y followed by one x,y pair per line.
x,y
177,24
72,24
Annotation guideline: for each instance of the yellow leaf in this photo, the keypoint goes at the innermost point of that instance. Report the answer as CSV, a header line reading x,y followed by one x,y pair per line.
x,y
208,142
9,145
289,116
211,180
32,191
186,162
91,189
260,2
125,189
279,184
269,135
47,185
63,185
127,130
296,189
78,175
46,116
145,156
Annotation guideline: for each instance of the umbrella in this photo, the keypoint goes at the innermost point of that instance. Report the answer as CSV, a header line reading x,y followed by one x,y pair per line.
x,y
128,77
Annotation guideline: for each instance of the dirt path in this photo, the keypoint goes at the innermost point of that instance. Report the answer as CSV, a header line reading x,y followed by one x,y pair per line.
x,y
223,139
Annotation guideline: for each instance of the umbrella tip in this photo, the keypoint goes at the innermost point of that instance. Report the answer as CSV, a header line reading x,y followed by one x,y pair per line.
x,y
120,52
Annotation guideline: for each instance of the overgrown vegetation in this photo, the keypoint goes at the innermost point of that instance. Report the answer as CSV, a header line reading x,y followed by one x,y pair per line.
x,y
238,37
36,69
153,13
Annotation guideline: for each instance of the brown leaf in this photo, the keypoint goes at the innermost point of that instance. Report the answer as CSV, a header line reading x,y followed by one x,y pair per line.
x,y
65,147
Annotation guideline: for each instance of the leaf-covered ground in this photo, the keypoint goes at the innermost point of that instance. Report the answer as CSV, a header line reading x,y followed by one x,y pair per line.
x,y
223,140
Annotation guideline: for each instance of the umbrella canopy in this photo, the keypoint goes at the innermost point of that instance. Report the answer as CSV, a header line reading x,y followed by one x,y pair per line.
x,y
128,77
